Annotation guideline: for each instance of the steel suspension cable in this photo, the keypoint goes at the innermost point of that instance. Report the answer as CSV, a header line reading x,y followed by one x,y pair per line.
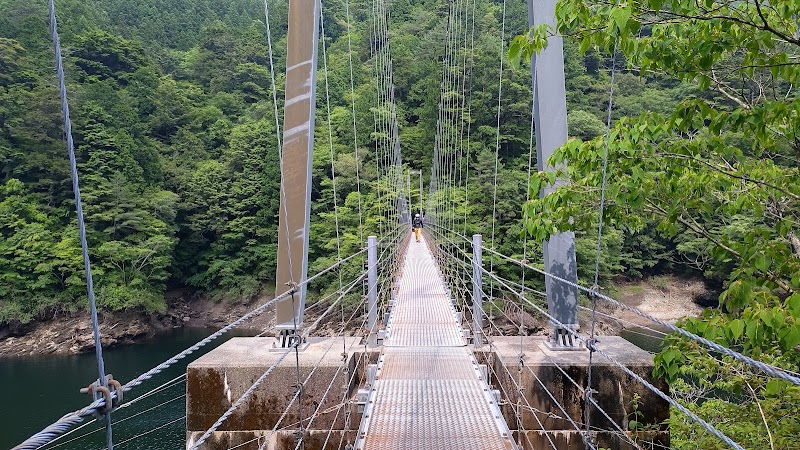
x,y
497,136
72,419
708,427
375,111
711,429
768,369
330,139
463,73
528,195
469,115
258,382
296,396
596,287
355,131
87,267
278,131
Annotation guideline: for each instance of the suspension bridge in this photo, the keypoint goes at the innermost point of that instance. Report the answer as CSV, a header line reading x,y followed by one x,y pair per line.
x,y
425,369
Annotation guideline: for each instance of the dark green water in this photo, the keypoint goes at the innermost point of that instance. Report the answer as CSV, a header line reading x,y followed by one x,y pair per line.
x,y
36,391
644,338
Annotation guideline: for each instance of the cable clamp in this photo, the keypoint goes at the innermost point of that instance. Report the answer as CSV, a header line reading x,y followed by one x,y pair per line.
x,y
591,344
594,293
112,394
588,438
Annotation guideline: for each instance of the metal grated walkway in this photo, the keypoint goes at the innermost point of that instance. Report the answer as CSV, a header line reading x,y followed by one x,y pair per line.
x,y
429,392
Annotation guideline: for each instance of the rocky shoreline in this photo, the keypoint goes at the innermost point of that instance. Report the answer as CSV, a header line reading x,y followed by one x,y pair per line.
x,y
667,298
72,334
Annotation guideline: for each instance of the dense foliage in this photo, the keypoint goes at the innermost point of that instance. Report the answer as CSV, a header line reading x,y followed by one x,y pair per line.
x,y
719,174
174,128
177,150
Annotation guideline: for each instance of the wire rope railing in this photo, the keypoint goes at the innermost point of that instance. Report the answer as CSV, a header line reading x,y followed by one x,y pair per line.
x,y
768,369
779,373
517,384
75,418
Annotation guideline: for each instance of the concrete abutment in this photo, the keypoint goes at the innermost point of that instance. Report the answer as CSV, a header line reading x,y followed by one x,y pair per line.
x,y
219,378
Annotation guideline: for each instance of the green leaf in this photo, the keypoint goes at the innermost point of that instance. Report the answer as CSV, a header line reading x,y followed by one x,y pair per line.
x,y
620,16
737,328
775,387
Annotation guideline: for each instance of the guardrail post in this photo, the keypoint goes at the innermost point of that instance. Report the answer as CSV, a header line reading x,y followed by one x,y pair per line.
x,y
477,291
372,290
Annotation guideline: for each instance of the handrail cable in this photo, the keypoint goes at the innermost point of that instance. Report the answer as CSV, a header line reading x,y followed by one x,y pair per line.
x,y
280,419
69,420
252,388
711,429
766,368
295,397
116,422
648,385
516,383
591,400
572,380
771,370
152,430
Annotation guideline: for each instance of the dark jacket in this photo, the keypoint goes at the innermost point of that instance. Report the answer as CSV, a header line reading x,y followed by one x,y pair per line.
x,y
417,223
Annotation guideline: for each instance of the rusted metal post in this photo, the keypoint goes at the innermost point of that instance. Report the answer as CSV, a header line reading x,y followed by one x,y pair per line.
x,y
298,146
477,291
372,290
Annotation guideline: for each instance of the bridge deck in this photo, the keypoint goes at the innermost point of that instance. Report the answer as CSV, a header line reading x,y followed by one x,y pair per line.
x,y
429,392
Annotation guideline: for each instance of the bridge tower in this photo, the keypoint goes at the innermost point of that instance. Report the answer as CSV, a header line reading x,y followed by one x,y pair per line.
x,y
550,119
298,149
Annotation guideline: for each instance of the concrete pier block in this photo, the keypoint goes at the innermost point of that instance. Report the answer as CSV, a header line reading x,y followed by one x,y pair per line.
x,y
216,380
614,390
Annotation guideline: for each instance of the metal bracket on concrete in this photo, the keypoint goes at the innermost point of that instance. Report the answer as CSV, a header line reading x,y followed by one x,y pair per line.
x,y
562,340
289,339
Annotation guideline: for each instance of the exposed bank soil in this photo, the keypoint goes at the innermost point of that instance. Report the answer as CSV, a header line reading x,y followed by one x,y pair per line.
x,y
666,298
72,334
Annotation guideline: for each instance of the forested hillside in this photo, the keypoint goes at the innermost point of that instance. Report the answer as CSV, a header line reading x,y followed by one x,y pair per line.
x,y
175,135
174,131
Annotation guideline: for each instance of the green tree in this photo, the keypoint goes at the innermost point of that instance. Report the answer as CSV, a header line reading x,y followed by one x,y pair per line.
x,y
718,172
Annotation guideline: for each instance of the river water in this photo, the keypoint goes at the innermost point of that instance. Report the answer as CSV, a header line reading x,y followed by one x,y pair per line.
x,y
36,391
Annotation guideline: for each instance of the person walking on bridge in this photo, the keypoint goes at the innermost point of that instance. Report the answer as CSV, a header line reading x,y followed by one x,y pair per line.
x,y
417,226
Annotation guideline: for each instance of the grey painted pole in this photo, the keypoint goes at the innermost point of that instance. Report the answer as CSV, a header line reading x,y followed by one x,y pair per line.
x,y
410,201
477,296
550,118
298,149
420,193
372,290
